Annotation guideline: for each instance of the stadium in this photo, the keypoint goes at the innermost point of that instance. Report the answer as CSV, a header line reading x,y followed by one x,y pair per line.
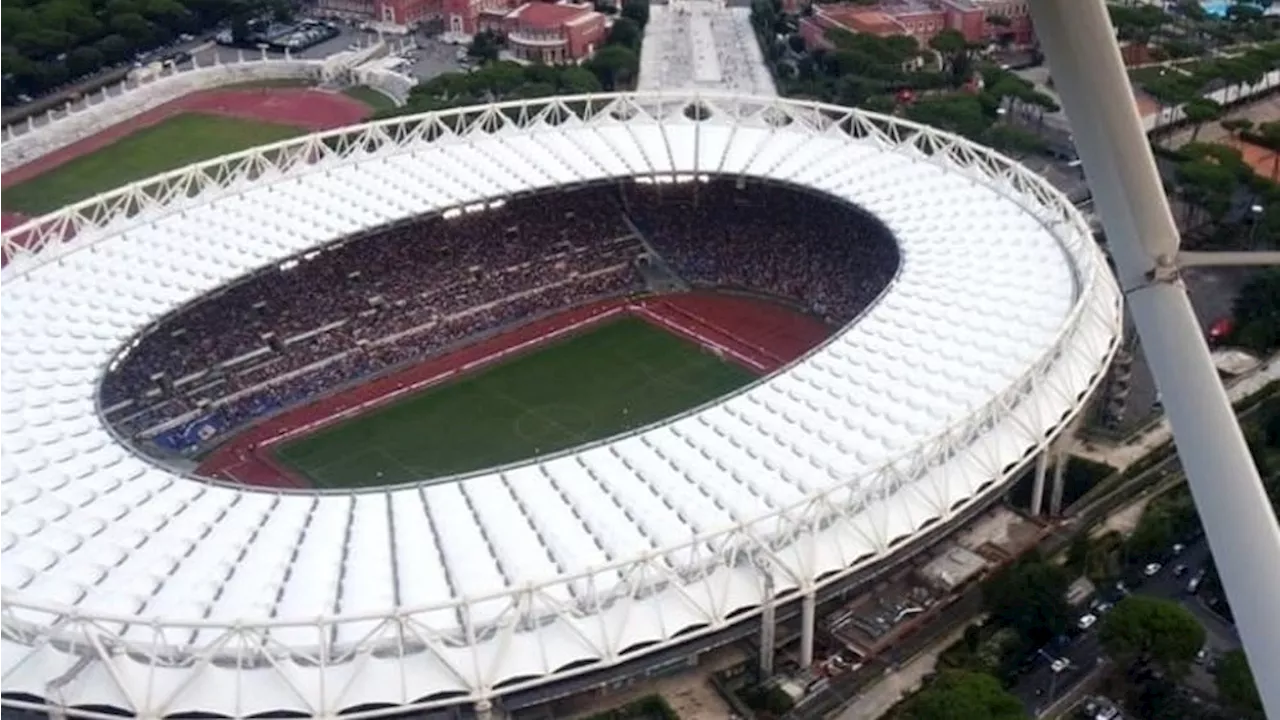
x,y
149,570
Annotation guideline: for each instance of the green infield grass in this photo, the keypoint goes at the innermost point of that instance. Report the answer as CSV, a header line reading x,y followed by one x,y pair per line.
x,y
374,99
620,375
175,142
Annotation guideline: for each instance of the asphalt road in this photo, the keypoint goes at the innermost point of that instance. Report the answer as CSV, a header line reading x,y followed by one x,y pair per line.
x,y
1040,686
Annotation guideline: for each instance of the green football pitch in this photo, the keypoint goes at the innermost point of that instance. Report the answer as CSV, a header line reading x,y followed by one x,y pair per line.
x,y
618,376
175,142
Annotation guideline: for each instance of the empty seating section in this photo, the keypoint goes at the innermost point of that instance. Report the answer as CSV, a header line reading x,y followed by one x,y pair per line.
x,y
356,308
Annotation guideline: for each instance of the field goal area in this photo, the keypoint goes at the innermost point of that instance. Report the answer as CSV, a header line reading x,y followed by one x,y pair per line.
x,y
605,379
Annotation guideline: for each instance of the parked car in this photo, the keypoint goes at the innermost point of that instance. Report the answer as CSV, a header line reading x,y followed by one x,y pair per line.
x,y
1151,569
1086,621
1179,570
1194,583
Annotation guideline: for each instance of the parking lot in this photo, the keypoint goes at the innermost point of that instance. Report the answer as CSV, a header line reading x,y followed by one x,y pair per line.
x,y
1048,681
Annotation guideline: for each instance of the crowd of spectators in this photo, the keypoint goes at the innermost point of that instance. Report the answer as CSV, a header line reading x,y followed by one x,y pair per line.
x,y
345,313
367,304
827,256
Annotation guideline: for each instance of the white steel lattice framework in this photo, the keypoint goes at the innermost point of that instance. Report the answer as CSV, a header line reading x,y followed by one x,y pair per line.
x,y
126,585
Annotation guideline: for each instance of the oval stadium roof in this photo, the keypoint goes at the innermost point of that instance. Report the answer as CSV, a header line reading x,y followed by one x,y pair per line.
x,y
164,594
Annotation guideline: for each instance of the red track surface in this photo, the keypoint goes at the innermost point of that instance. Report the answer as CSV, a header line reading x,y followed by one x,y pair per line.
x,y
309,109
758,334
11,220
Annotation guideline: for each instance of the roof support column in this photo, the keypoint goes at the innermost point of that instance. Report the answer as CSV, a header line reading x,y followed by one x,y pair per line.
x,y
484,709
1079,41
1062,457
1037,488
808,619
768,627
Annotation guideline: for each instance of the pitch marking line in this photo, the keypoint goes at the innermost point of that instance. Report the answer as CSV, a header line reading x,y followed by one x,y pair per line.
x,y
389,398
707,342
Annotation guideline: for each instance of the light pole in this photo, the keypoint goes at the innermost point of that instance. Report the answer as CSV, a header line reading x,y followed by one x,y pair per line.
x,y
1079,42
1255,216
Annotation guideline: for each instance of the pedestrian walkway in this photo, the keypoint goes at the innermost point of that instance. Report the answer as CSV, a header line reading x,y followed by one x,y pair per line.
x,y
1138,446
879,698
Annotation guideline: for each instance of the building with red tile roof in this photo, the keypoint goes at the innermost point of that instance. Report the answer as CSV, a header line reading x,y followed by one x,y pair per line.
x,y
923,19
552,33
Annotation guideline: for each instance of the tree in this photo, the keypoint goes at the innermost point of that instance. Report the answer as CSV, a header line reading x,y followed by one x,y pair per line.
x,y
1200,111
614,66
1269,137
1149,631
1236,686
1237,126
625,32
576,80
959,113
962,695
1013,140
485,46
637,11
1153,535
1031,598
953,50
1208,184
1256,312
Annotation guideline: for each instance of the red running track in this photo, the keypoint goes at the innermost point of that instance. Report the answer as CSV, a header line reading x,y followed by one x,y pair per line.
x,y
761,335
310,109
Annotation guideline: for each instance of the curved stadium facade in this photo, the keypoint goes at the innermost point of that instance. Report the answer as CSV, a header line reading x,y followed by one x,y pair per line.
x,y
129,586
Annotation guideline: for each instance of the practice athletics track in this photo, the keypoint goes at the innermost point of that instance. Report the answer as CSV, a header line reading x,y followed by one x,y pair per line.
x,y
757,334
312,110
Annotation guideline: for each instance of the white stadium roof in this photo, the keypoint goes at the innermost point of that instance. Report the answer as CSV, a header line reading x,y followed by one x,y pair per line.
x,y
127,585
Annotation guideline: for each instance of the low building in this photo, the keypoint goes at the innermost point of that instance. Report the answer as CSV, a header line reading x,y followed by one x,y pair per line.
x,y
536,31
552,33
1004,22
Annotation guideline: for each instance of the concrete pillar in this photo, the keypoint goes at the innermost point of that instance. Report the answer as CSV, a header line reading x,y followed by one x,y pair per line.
x,y
1037,487
1059,475
484,710
808,619
768,628
1078,39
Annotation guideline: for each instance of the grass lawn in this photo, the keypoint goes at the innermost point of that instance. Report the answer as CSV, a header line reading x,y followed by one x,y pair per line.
x,y
367,95
618,376
178,141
